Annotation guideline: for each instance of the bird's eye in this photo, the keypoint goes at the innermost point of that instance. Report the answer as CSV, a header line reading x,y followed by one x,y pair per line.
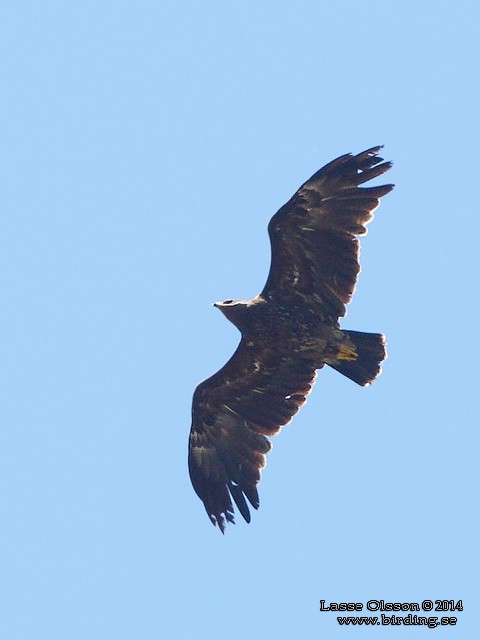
x,y
227,301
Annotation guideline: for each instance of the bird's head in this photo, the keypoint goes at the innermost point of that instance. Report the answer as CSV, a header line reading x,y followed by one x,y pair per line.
x,y
242,313
234,310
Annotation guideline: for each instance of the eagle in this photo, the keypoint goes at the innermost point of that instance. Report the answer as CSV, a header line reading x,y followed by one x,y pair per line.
x,y
288,332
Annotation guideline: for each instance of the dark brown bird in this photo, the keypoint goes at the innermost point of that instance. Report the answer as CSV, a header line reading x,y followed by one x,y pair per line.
x,y
288,332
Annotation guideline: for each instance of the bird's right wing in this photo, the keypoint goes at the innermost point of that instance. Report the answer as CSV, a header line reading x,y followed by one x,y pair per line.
x,y
251,397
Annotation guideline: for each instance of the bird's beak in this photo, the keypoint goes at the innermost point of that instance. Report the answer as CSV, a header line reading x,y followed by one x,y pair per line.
x,y
220,306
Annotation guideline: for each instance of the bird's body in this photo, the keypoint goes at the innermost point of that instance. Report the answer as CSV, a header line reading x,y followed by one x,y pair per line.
x,y
293,329
288,332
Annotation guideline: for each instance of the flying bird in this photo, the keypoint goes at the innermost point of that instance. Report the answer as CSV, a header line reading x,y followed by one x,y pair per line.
x,y
288,332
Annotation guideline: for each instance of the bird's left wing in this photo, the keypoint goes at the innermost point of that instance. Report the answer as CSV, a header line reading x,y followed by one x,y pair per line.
x,y
257,392
314,241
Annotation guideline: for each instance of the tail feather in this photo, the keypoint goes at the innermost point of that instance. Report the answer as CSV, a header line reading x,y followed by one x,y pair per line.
x,y
362,356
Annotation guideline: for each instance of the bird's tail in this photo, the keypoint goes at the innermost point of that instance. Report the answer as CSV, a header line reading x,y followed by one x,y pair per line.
x,y
360,356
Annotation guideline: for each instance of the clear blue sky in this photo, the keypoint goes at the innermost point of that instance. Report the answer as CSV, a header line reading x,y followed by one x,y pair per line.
x,y
145,146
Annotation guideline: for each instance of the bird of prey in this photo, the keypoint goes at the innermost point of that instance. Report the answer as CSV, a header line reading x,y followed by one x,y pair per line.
x,y
287,332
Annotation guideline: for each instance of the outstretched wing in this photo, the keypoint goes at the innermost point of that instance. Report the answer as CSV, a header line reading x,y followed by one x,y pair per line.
x,y
259,389
313,237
